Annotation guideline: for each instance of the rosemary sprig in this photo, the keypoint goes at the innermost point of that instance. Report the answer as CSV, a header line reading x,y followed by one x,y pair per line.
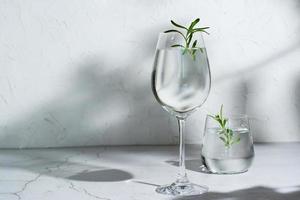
x,y
189,46
225,134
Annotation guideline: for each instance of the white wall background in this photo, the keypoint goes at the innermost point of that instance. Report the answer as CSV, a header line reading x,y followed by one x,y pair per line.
x,y
77,72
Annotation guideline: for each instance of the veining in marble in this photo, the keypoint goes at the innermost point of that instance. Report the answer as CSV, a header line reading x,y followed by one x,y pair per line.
x,y
132,173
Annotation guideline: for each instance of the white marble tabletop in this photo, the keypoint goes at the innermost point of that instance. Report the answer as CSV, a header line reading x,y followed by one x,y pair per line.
x,y
132,173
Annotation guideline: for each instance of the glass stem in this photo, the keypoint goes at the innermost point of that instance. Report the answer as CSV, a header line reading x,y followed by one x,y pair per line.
x,y
182,178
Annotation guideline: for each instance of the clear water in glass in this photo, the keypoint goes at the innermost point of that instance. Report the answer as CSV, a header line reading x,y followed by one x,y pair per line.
x,y
181,87
236,158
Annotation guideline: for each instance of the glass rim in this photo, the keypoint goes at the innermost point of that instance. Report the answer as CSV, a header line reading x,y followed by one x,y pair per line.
x,y
200,39
169,33
233,116
174,33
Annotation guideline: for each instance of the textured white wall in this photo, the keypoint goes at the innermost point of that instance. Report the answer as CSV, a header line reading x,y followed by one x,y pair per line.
x,y
77,72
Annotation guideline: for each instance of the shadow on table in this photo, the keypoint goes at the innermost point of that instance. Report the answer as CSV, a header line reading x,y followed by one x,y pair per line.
x,y
105,175
193,165
290,193
64,163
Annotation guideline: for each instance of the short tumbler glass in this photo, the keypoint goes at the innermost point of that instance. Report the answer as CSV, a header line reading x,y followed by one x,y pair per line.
x,y
227,153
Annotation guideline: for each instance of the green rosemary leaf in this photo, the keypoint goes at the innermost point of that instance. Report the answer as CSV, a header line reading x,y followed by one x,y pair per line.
x,y
220,121
230,132
223,139
225,121
194,44
175,31
194,49
177,45
221,111
236,140
193,55
211,116
200,30
189,39
178,25
184,51
193,24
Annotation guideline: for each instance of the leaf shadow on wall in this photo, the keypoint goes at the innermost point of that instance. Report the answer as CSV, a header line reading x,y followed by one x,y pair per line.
x,y
297,100
97,109
107,103
244,93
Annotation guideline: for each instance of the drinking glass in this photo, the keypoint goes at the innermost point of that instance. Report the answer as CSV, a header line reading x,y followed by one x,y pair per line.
x,y
181,84
227,153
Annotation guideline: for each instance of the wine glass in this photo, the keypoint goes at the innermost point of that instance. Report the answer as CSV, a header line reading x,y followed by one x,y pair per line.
x,y
181,84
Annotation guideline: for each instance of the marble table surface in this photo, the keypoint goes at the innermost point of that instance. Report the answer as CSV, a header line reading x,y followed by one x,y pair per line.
x,y
132,173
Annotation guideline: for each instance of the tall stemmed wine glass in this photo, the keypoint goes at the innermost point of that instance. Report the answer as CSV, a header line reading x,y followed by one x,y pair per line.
x,y
181,84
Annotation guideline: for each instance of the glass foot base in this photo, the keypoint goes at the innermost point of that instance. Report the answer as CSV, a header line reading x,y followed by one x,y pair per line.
x,y
179,189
